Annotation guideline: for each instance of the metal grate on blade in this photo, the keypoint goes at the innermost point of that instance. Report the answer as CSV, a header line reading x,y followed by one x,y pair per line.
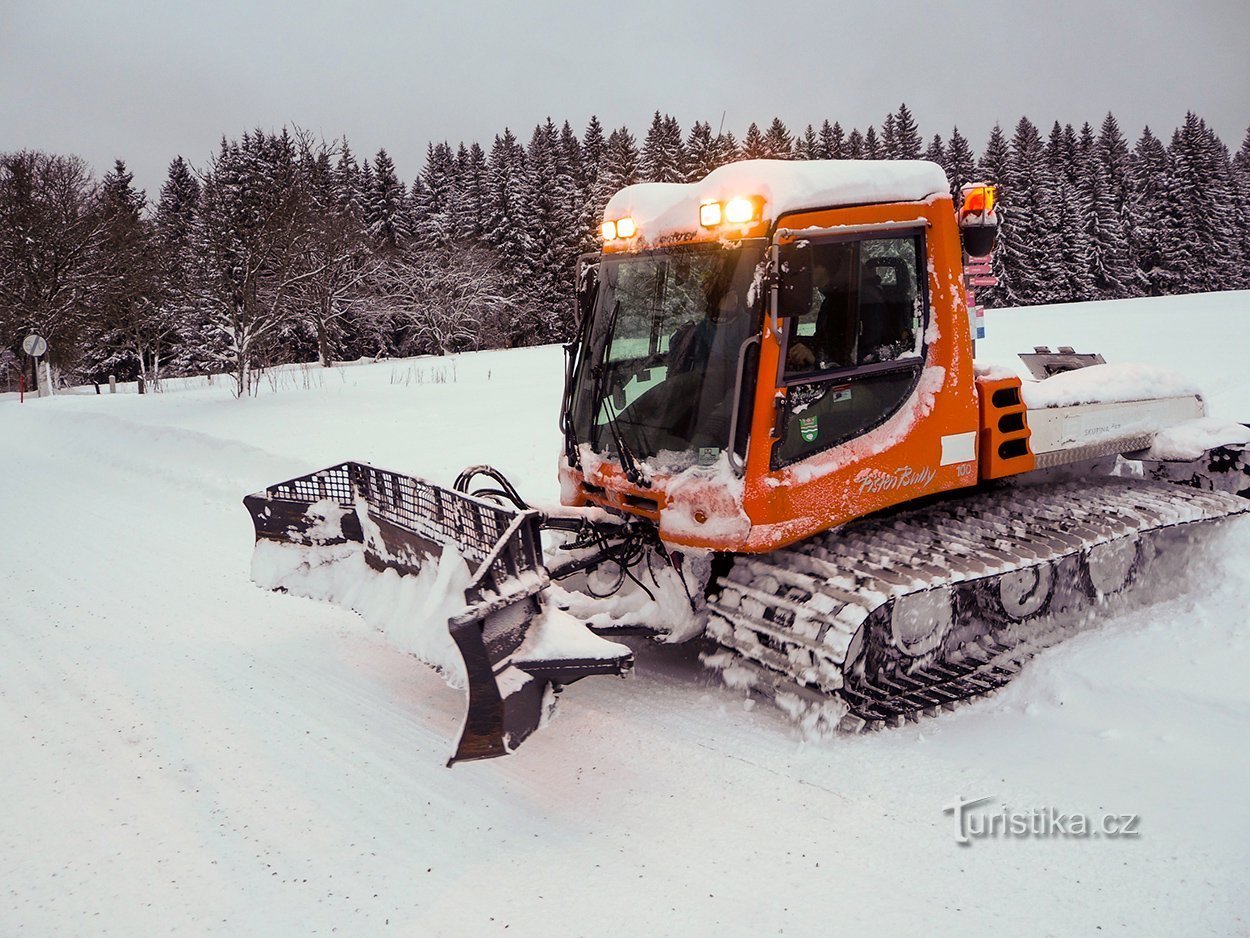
x,y
441,515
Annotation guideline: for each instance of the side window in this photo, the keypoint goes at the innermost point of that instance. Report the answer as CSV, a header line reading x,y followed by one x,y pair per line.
x,y
855,355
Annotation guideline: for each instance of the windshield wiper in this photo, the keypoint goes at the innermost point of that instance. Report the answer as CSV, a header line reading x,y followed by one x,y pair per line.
x,y
600,372
628,463
566,415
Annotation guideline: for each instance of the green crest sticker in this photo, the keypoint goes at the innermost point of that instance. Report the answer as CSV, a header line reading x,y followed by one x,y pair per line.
x,y
808,429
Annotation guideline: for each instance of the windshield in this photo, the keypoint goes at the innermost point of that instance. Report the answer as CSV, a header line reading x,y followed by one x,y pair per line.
x,y
660,362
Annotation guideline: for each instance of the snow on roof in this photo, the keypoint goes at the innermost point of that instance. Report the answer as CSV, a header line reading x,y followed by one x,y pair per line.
x,y
661,208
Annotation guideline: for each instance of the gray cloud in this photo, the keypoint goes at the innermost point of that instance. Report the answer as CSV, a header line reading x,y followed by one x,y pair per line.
x,y
148,80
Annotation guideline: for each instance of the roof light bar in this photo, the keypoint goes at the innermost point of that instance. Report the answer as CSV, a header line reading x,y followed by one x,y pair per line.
x,y
740,210
710,214
620,228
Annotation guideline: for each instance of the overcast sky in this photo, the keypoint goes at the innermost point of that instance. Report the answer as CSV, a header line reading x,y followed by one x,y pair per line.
x,y
146,81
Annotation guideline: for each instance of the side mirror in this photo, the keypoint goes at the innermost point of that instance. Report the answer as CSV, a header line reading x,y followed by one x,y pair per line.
x,y
979,239
794,279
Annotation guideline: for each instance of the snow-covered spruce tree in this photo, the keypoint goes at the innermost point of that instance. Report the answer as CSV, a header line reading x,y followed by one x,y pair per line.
x,y
594,147
621,162
1199,234
872,145
584,221
663,159
936,153
509,231
129,327
855,145
673,140
434,199
961,166
347,180
1112,152
889,145
253,236
506,231
701,152
1150,173
1061,154
993,168
906,135
727,148
832,141
1202,187
1075,281
778,141
1182,256
386,205
49,266
545,313
469,205
1107,251
753,146
363,188
173,244
807,145
1030,243
1241,184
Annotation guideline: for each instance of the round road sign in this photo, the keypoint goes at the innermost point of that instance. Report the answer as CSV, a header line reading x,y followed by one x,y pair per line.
x,y
34,345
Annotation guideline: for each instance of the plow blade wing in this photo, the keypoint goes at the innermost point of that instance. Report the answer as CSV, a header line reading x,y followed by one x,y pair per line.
x,y
517,654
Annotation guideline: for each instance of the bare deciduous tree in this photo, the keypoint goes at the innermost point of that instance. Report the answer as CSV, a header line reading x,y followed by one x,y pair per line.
x,y
442,300
48,259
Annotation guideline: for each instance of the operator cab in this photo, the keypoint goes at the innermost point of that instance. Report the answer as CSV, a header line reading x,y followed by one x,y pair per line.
x,y
659,368
772,351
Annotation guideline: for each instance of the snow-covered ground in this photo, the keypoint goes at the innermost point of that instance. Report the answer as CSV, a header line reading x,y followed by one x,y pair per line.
x,y
185,752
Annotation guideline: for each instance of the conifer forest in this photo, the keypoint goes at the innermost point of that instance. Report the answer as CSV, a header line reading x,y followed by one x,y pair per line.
x,y
285,248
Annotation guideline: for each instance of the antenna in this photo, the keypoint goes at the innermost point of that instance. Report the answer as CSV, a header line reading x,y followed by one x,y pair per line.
x,y
720,130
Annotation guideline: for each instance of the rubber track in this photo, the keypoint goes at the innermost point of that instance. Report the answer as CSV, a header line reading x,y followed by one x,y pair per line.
x,y
788,619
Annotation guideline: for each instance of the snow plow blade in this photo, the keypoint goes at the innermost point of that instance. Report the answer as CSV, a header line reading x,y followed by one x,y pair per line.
x,y
403,524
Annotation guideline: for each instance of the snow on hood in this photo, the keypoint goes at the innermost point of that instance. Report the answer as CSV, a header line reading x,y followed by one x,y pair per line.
x,y
661,208
1106,384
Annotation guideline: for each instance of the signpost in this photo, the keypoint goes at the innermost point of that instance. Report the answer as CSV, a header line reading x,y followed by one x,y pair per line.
x,y
978,272
35,346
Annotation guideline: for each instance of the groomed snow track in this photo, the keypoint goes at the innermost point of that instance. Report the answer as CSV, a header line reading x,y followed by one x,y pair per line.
x,y
904,615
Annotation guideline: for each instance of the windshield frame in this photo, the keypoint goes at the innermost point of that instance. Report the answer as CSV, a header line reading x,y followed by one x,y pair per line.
x,y
599,380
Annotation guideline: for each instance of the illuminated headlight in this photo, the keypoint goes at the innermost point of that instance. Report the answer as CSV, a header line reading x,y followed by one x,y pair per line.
x,y
608,230
625,228
739,211
709,214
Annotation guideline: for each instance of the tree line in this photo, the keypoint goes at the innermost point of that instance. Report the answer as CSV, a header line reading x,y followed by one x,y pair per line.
x,y
284,248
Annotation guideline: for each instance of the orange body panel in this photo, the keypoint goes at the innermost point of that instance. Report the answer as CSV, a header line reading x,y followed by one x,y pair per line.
x,y
926,447
1004,444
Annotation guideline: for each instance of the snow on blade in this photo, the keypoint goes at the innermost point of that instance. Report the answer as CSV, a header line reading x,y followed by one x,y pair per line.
x,y
412,611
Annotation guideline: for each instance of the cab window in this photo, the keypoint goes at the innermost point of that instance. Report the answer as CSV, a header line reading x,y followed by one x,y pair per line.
x,y
853,353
